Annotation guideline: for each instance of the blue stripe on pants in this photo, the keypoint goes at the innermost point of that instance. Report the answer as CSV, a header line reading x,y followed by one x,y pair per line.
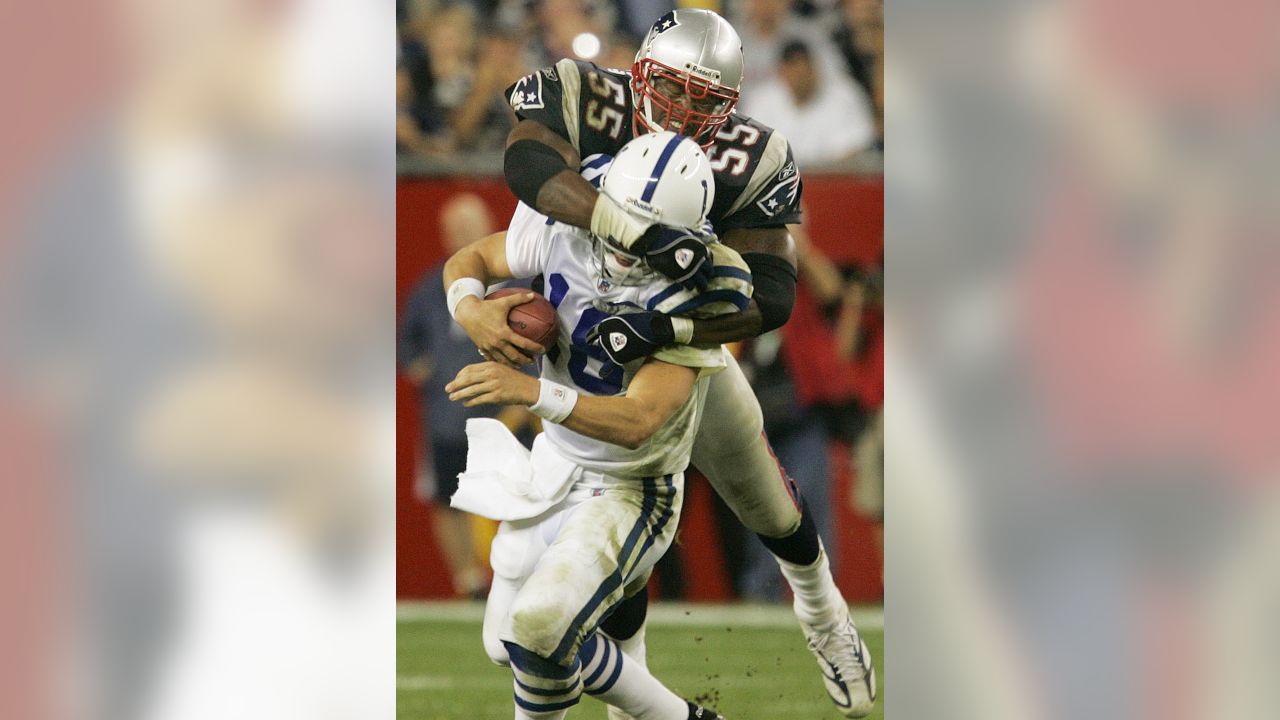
x,y
614,580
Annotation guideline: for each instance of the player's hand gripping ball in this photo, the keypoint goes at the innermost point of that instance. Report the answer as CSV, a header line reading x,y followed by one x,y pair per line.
x,y
503,326
535,320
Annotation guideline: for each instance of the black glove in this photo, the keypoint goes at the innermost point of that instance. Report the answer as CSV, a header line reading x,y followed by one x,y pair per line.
x,y
632,336
678,254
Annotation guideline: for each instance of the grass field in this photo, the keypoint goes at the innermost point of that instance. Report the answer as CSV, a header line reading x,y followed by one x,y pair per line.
x,y
749,662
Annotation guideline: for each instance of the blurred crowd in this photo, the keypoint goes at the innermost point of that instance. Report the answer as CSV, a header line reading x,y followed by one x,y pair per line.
x,y
813,67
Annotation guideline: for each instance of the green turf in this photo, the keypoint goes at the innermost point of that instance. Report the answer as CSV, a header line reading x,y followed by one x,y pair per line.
x,y
750,665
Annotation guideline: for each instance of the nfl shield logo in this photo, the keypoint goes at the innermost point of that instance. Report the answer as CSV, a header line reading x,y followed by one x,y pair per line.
x,y
604,285
684,256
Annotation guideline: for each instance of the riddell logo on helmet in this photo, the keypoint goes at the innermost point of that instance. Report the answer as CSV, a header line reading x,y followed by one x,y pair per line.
x,y
644,208
703,72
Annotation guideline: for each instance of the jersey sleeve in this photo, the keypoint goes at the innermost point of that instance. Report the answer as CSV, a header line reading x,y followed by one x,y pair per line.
x,y
551,97
728,292
705,359
528,242
772,195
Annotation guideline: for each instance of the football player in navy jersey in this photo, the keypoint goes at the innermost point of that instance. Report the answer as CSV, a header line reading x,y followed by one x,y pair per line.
x,y
686,78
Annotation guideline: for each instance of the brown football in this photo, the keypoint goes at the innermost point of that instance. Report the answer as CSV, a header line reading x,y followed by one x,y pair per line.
x,y
535,319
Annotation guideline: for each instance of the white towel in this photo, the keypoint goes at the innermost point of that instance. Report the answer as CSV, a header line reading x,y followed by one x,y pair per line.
x,y
504,481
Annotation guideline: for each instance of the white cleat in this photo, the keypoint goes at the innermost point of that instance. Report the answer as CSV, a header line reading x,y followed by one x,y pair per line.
x,y
846,666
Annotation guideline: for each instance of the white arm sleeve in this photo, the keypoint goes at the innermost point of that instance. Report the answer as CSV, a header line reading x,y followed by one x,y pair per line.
x,y
528,241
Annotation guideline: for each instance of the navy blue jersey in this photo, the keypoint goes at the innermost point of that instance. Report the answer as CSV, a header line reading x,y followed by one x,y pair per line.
x,y
757,184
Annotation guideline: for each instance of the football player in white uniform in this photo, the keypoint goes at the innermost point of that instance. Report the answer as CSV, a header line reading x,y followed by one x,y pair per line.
x,y
597,502
686,78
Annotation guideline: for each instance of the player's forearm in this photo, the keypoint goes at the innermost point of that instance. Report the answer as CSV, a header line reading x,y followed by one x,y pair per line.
x,y
722,329
541,168
568,198
484,260
467,263
656,392
619,420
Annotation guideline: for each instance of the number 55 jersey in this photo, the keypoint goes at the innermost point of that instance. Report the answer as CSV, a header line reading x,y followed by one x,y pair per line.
x,y
757,184
583,296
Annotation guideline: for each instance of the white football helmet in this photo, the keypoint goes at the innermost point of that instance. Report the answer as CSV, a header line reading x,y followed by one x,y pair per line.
x,y
687,74
661,178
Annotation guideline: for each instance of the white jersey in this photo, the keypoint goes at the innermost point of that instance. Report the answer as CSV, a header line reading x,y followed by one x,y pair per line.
x,y
565,256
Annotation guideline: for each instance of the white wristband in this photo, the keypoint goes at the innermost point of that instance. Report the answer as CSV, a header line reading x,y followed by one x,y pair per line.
x,y
555,401
462,287
682,328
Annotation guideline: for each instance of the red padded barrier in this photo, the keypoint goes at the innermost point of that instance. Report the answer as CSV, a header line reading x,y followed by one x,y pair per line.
x,y
845,216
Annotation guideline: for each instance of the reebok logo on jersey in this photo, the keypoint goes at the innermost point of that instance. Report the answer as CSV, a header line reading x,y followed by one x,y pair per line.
x,y
617,341
684,256
787,171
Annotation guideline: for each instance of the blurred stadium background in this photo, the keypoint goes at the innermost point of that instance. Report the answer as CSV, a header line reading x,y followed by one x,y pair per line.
x,y
1081,349
455,59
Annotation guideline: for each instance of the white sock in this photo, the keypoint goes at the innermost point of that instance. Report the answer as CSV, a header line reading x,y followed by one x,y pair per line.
x,y
818,601
634,647
613,677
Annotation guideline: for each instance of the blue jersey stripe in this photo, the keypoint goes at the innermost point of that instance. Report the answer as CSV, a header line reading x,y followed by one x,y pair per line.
x,y
663,159
719,271
731,271
734,297
599,161
662,296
